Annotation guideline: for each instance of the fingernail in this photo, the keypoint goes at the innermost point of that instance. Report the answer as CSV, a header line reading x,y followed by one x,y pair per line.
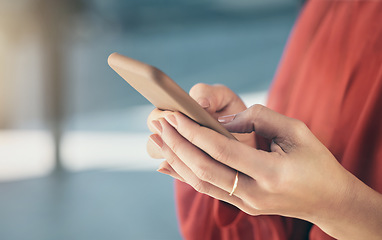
x,y
156,124
164,170
156,140
227,119
172,120
204,103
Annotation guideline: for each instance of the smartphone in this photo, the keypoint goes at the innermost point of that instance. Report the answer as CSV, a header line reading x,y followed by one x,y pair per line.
x,y
162,91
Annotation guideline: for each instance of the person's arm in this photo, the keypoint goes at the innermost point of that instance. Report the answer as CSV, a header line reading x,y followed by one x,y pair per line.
x,y
298,178
359,216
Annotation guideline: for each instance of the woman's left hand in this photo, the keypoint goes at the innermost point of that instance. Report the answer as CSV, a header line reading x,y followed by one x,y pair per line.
x,y
299,177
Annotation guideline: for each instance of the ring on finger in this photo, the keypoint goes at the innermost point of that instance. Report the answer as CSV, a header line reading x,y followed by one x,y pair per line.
x,y
235,183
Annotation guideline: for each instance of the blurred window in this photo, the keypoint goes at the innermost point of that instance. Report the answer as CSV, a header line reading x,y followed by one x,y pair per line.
x,y
57,90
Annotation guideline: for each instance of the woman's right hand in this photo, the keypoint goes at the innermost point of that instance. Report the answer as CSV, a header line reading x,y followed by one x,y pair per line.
x,y
217,100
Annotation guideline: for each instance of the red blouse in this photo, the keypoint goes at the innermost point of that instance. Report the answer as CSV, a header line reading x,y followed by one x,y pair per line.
x,y
330,77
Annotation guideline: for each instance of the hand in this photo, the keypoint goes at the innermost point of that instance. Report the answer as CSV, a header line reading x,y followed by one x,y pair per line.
x,y
299,177
218,100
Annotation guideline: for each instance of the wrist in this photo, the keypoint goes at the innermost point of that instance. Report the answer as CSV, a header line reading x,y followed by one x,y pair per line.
x,y
354,212
336,207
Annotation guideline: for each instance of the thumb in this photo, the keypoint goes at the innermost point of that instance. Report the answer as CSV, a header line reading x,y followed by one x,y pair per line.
x,y
262,120
216,99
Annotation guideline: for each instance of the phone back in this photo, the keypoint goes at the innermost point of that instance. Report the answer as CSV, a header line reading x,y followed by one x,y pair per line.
x,y
162,91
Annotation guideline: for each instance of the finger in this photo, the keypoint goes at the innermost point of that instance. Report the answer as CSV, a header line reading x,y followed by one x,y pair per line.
x,y
155,115
198,184
258,118
152,148
219,100
264,122
216,98
230,152
166,168
202,165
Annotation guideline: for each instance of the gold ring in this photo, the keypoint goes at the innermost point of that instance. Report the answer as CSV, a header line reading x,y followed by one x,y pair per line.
x,y
235,183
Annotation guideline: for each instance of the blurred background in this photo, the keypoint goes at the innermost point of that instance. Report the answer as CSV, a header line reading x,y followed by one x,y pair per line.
x,y
73,163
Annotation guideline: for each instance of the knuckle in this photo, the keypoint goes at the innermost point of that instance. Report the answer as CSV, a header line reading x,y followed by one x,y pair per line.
x,y
199,87
201,187
203,173
186,128
274,179
191,136
174,146
262,203
272,184
169,156
155,115
222,154
266,199
153,151
256,109
299,129
171,160
221,86
150,118
254,112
